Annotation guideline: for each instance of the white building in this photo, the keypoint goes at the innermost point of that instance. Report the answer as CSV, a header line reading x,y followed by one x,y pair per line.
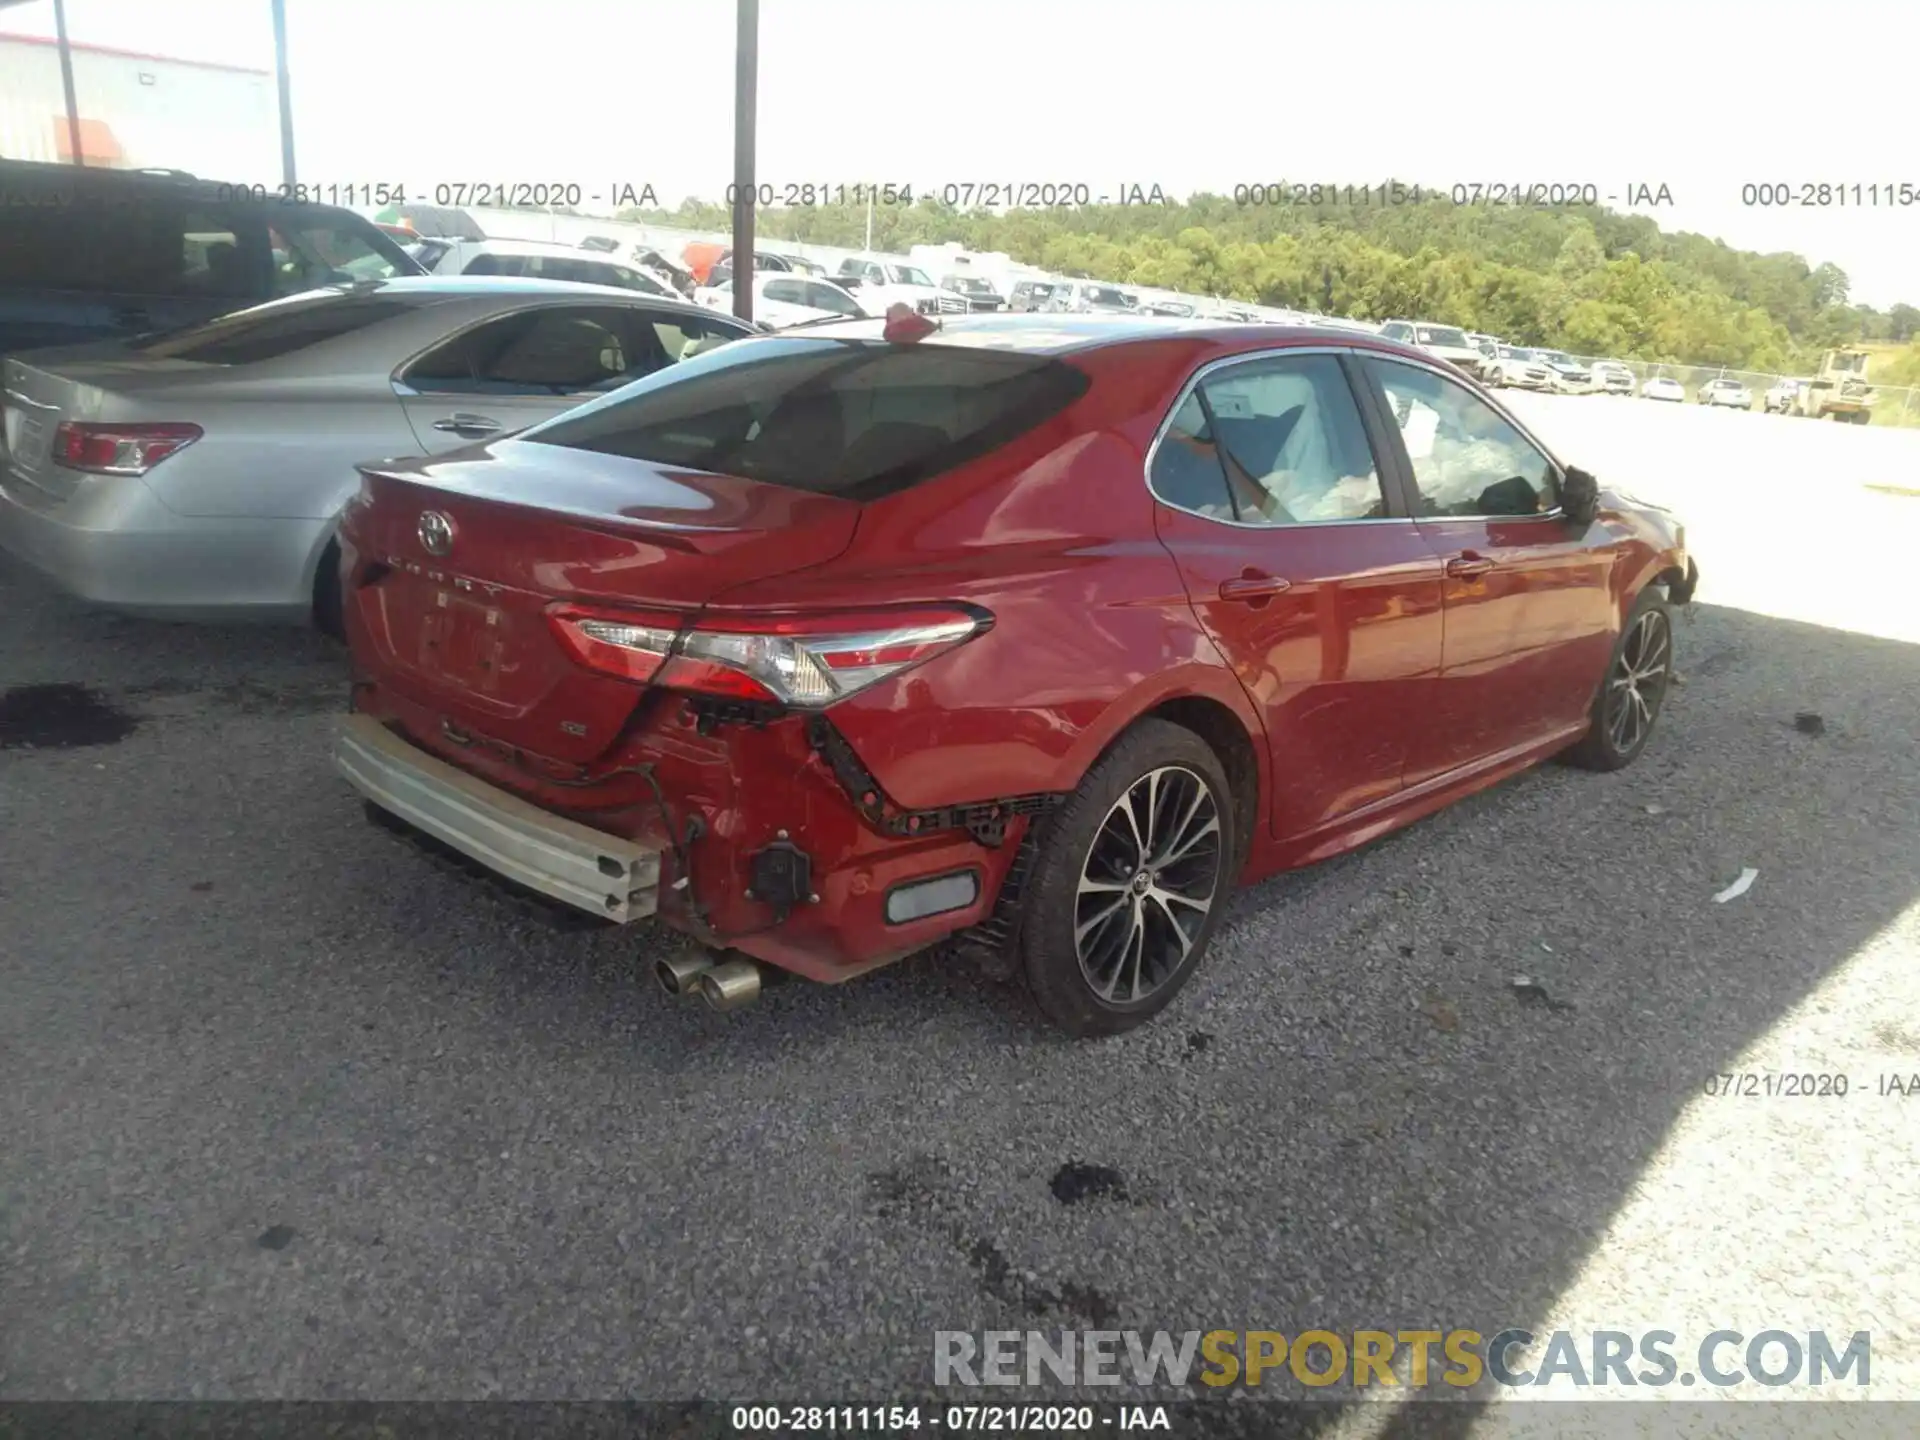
x,y
220,122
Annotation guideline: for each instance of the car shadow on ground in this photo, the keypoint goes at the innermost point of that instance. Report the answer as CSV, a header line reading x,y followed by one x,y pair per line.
x,y
1354,1119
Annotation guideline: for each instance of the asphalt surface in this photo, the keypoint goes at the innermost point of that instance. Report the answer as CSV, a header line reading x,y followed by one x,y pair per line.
x,y
287,1111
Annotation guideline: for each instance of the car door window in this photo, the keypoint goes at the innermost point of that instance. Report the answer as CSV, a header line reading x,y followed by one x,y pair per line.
x,y
326,248
831,297
1274,441
788,292
682,337
560,350
494,265
626,279
1467,459
180,249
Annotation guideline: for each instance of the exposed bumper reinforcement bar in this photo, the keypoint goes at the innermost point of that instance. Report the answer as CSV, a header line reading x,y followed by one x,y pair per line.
x,y
615,879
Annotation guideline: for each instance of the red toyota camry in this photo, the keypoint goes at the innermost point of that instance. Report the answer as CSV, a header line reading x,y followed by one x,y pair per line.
x,y
1039,631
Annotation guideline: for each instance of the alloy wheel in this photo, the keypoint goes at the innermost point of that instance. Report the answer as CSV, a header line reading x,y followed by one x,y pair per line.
x,y
1148,884
1639,681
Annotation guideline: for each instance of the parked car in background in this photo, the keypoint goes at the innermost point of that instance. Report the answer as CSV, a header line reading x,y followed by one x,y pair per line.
x,y
1726,392
801,265
1780,399
538,260
199,473
762,260
1485,344
600,244
978,292
1168,309
1030,295
1517,366
782,299
1443,342
1663,387
709,263
668,271
89,254
882,282
750,647
1570,376
1612,378
1093,297
1336,322
433,222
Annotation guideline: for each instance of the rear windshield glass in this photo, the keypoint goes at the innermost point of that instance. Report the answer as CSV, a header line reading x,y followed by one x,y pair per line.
x,y
1441,335
854,418
267,332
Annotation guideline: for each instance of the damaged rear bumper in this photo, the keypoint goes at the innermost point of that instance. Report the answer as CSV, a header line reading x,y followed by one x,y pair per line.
x,y
604,875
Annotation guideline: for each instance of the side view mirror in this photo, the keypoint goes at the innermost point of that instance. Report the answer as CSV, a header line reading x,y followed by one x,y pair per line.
x,y
1579,497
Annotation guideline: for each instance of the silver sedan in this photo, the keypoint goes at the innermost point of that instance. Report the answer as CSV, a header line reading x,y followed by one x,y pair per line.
x,y
199,474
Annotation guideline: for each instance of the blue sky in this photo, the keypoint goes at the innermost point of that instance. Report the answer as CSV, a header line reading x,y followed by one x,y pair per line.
x,y
1697,95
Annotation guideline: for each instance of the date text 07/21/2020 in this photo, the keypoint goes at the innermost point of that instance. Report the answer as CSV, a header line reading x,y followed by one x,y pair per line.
x,y
1809,1085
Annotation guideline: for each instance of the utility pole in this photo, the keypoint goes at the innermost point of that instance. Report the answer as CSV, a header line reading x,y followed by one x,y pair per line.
x,y
286,95
746,80
66,81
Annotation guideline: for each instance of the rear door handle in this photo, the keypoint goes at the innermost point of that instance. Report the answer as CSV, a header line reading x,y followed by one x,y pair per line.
x,y
466,425
1469,564
1253,587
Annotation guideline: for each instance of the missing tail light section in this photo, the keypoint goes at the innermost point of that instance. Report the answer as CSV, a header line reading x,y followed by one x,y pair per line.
x,y
708,713
986,820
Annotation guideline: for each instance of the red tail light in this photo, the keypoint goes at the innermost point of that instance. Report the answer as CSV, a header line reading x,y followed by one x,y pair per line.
x,y
803,661
812,661
119,449
624,644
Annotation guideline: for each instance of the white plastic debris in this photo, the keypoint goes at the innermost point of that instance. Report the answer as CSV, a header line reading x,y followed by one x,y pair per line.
x,y
1738,887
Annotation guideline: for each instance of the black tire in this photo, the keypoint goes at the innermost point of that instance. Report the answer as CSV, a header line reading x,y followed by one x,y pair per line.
x,y
329,616
1620,728
1085,840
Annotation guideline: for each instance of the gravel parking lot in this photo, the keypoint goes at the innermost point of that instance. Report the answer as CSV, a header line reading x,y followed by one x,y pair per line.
x,y
290,1112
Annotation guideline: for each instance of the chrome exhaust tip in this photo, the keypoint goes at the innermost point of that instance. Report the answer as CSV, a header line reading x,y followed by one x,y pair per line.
x,y
730,985
679,975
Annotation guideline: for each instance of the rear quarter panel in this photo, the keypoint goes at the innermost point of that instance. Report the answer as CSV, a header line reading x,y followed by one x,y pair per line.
x,y
1092,621
278,451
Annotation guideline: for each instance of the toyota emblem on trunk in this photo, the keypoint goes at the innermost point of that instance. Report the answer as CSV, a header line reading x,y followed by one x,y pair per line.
x,y
436,533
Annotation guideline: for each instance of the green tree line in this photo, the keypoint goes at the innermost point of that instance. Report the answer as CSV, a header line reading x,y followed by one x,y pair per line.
x,y
1581,278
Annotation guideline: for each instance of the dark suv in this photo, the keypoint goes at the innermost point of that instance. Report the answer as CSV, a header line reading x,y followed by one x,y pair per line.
x,y
90,254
